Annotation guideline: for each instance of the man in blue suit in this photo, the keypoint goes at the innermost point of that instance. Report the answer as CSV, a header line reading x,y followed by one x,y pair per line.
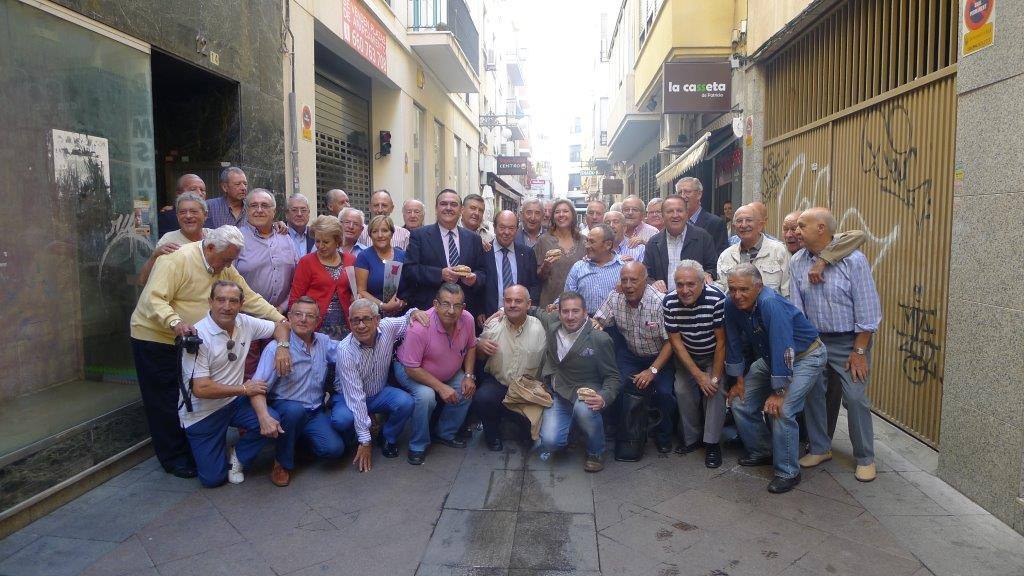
x,y
508,263
437,254
692,190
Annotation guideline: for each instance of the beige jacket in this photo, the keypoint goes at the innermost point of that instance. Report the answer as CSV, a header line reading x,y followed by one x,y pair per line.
x,y
528,397
772,261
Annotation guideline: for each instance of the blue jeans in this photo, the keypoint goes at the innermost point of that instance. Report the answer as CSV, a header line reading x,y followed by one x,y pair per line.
x,y
661,387
311,426
398,405
785,436
208,439
424,401
554,426
841,387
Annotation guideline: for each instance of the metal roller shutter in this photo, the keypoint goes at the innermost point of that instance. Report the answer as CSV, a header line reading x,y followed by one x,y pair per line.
x,y
342,144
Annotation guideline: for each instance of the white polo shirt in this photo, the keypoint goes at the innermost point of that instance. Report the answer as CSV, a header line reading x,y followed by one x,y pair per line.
x,y
212,361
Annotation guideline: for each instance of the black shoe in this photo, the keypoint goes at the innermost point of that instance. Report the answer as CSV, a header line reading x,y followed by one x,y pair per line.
x,y
495,445
752,461
663,446
683,448
417,457
184,471
779,485
389,449
453,443
712,455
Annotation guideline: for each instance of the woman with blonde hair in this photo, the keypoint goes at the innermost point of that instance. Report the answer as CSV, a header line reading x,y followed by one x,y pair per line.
x,y
321,276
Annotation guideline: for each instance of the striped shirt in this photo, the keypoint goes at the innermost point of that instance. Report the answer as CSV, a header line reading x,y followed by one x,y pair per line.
x,y
305,384
218,213
846,301
643,325
594,282
696,324
362,371
636,252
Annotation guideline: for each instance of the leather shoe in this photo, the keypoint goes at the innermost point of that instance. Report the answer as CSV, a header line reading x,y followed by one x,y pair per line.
x,y
184,471
389,449
755,461
593,464
495,445
713,455
453,443
417,457
663,446
280,476
683,448
779,485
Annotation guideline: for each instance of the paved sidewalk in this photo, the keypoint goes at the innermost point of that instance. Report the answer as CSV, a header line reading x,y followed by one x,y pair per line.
x,y
473,512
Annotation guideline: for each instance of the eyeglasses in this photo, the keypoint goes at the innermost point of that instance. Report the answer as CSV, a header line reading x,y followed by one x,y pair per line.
x,y
450,306
231,355
304,315
362,320
299,210
260,206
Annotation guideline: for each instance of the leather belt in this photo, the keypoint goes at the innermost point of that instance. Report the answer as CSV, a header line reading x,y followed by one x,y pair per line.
x,y
814,346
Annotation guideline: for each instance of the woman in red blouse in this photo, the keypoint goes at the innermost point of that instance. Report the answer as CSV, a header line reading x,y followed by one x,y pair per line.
x,y
321,276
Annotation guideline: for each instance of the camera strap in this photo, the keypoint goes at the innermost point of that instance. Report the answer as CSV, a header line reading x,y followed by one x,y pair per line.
x,y
186,391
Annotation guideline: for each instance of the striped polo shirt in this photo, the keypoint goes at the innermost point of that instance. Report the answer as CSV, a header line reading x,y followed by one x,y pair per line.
x,y
696,323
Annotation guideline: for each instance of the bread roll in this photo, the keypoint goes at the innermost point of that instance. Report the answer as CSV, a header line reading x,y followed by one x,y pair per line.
x,y
554,252
462,270
585,393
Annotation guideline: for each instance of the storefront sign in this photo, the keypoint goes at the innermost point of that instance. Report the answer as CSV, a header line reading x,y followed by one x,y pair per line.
x,y
307,123
360,31
979,25
513,165
697,87
538,183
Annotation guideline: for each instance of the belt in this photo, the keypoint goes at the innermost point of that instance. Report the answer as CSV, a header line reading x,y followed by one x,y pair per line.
x,y
814,346
837,334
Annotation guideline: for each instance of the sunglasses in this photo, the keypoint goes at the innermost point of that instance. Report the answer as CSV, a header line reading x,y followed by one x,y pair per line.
x,y
231,355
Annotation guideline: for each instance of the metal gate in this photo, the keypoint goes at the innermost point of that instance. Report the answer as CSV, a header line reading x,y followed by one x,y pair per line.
x,y
861,118
342,144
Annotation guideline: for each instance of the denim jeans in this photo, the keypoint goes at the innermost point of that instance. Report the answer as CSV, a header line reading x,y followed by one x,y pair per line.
x,y
424,401
554,426
661,388
398,405
208,439
854,395
310,426
785,436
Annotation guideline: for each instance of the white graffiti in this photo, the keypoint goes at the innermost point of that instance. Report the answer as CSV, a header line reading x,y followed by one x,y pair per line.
x,y
122,232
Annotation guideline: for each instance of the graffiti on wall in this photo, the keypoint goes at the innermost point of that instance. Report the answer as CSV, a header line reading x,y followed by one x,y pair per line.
x,y
889,158
918,340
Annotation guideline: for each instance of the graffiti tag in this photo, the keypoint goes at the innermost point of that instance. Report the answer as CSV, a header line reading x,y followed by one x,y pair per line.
x,y
918,342
891,159
772,175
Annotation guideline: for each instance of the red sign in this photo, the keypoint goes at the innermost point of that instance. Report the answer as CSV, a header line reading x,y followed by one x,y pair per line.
x,y
360,31
977,13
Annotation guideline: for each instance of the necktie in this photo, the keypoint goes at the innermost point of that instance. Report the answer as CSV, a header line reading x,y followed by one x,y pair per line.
x,y
506,270
453,250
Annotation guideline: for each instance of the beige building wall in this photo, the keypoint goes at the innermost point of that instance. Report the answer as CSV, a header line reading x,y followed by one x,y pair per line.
x,y
768,17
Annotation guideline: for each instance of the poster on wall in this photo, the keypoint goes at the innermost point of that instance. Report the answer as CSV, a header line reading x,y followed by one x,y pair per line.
x,y
81,165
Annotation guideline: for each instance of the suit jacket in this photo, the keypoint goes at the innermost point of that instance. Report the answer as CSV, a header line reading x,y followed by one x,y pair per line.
x,y
427,256
697,245
715,226
526,274
590,362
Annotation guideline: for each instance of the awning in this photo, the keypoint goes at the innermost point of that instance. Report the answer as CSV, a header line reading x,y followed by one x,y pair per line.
x,y
687,160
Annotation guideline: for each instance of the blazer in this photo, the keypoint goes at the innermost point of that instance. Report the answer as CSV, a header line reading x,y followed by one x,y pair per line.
x,y
526,274
715,226
697,245
427,256
590,362
313,280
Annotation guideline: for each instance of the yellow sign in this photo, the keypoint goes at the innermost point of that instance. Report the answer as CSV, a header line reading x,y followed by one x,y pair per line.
x,y
979,25
977,39
307,124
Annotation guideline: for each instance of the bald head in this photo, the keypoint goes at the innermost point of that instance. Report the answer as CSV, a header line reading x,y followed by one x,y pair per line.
x,y
790,234
633,281
816,226
749,225
760,208
190,183
634,267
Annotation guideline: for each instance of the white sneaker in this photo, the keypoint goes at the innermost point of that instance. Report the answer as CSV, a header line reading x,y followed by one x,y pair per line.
x,y
235,475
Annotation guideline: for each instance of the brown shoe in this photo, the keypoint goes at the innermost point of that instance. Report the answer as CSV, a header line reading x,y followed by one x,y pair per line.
x,y
593,464
280,476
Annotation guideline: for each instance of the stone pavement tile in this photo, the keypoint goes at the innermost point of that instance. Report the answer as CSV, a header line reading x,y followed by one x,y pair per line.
x,y
371,555
866,529
485,488
557,490
360,490
233,560
735,486
15,542
555,541
513,457
720,553
107,513
614,470
659,539
843,557
943,494
808,509
894,460
292,549
131,476
890,494
923,571
192,505
441,460
55,556
129,556
766,541
794,570
188,537
820,482
263,508
960,545
617,559
471,538
160,480
395,510
645,487
705,510
687,467
425,570
608,511
522,572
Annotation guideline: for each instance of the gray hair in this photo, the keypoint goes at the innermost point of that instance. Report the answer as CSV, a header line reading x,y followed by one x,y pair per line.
x,y
297,197
690,180
364,303
334,192
414,201
607,234
616,207
653,202
255,191
226,173
614,213
190,197
533,200
745,270
690,265
349,210
224,237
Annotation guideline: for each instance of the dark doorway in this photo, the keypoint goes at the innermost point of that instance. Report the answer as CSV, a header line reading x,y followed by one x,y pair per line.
x,y
195,124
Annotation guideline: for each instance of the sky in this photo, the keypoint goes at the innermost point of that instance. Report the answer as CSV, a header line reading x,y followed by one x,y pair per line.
x,y
562,38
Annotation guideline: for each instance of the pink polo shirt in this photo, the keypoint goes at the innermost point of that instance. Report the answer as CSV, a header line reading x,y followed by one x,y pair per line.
x,y
430,348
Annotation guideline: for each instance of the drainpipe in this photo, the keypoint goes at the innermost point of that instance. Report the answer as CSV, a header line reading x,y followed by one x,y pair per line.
x,y
293,131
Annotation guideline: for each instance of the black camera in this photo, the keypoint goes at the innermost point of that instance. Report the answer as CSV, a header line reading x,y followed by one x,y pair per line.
x,y
189,342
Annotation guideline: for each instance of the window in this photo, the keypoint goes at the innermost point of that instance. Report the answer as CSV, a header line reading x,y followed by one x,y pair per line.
x,y
574,153
574,181
438,156
457,157
577,125
418,150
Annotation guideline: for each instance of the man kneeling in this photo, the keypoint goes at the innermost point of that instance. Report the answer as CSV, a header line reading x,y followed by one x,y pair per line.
x,y
218,394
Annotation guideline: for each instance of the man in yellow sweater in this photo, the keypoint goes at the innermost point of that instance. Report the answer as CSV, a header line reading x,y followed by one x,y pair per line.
x,y
176,296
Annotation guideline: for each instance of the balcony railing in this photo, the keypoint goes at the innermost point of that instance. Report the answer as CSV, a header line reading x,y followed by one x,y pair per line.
x,y
452,16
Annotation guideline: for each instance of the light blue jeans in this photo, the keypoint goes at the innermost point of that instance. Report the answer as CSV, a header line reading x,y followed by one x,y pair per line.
x,y
424,401
806,388
555,424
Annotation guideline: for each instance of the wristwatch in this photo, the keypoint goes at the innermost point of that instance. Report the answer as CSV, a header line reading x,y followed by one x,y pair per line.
x,y
175,322
653,370
861,351
780,392
470,375
366,444
286,344
714,379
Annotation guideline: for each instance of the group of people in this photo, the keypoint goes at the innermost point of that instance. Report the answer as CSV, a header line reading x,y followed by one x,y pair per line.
x,y
531,324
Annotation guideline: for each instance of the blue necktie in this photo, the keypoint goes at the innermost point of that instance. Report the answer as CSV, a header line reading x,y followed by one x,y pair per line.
x,y
506,270
453,250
